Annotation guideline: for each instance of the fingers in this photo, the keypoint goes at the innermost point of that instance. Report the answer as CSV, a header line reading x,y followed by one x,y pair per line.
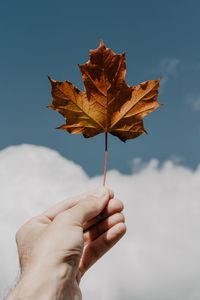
x,y
62,206
97,248
113,206
86,209
53,211
100,228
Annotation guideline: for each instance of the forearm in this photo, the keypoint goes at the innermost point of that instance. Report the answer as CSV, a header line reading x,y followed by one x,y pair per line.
x,y
46,285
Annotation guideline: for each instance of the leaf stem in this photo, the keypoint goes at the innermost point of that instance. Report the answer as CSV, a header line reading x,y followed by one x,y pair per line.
x,y
105,158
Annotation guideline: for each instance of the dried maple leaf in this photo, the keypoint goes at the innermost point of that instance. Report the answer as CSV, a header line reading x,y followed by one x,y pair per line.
x,y
108,104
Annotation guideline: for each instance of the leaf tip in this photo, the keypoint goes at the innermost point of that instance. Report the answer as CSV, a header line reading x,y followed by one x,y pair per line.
x,y
63,127
80,66
102,44
51,79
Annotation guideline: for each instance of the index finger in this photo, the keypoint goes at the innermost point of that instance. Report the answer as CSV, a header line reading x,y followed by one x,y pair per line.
x,y
66,204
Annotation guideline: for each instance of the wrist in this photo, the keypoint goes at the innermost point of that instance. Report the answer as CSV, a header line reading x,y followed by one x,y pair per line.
x,y
42,283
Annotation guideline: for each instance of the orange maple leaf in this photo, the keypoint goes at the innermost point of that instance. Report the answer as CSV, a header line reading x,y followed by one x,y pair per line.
x,y
108,104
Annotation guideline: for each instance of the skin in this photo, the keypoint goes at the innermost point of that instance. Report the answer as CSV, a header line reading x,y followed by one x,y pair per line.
x,y
57,247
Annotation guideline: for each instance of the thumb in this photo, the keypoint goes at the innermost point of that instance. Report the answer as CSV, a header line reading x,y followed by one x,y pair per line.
x,y
88,208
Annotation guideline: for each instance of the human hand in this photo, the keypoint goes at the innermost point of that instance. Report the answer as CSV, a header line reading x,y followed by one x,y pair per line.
x,y
57,247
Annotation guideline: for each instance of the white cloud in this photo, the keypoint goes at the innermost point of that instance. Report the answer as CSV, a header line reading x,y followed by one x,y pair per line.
x,y
160,256
170,65
167,68
194,102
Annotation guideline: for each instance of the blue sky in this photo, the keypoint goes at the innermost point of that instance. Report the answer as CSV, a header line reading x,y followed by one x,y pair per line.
x,y
160,38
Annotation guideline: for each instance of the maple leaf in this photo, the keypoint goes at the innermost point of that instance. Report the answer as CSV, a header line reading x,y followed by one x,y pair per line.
x,y
108,104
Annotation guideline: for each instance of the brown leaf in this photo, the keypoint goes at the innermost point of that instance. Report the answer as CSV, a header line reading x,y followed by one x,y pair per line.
x,y
108,104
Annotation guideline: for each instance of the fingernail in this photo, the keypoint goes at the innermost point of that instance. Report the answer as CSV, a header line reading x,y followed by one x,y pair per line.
x,y
101,192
